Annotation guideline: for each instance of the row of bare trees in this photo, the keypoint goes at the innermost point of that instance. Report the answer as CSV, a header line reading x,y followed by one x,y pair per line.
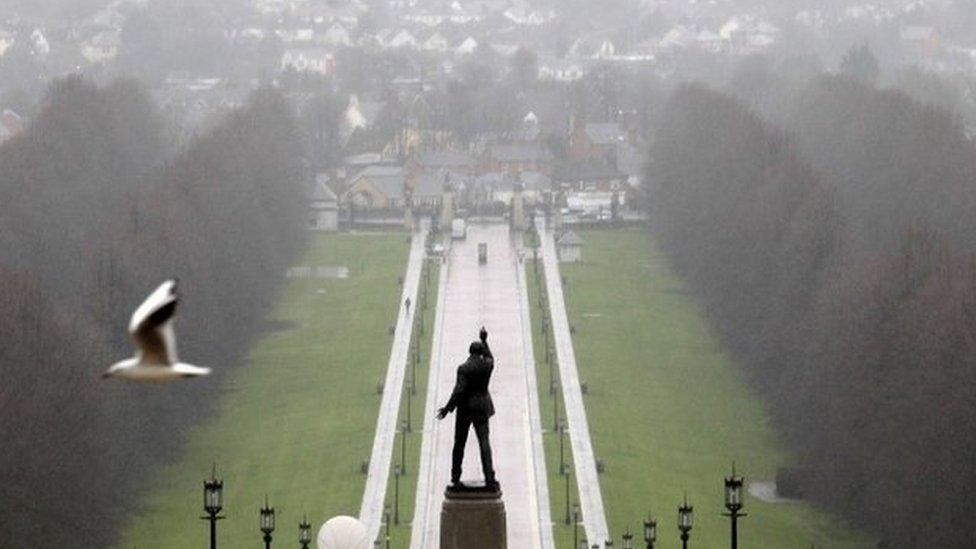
x,y
836,262
91,219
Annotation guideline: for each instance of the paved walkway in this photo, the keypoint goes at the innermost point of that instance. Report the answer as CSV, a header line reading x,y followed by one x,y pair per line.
x,y
493,295
374,495
587,481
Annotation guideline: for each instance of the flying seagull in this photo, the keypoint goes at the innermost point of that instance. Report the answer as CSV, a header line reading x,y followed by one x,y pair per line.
x,y
152,329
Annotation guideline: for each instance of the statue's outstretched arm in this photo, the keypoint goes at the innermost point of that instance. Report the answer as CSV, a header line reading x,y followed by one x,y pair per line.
x,y
459,386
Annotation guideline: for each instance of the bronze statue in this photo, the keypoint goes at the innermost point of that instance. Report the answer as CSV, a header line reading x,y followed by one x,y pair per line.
x,y
473,404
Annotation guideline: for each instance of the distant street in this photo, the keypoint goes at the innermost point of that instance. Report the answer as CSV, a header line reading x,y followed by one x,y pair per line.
x,y
489,295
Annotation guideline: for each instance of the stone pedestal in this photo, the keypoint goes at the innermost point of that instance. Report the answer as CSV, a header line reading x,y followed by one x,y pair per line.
x,y
473,518
518,209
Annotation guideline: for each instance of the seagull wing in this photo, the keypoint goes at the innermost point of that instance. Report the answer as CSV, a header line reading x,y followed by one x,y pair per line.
x,y
151,326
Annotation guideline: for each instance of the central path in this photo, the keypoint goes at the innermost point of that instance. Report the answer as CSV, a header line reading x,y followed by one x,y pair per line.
x,y
492,295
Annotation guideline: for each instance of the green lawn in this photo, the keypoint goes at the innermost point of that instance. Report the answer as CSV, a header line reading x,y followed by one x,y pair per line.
x,y
298,419
668,410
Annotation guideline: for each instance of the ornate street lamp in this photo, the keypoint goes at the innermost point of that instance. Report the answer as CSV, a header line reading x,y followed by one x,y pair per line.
x,y
403,447
213,502
628,540
576,524
396,494
650,532
267,522
305,532
567,473
734,502
685,519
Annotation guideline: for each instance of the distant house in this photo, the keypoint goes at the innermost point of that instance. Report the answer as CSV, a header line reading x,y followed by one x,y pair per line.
x,y
560,70
427,190
39,44
376,187
11,124
402,39
588,176
310,58
436,42
518,157
439,162
595,141
323,210
335,35
631,157
7,39
359,115
606,50
295,35
569,247
102,47
500,186
466,47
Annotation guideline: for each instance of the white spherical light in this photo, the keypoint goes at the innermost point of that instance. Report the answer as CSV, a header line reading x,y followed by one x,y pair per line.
x,y
343,532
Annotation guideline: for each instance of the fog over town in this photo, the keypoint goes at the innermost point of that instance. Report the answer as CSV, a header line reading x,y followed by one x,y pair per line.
x,y
701,231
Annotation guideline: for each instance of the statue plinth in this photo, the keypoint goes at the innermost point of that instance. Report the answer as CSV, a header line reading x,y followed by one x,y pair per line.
x,y
473,517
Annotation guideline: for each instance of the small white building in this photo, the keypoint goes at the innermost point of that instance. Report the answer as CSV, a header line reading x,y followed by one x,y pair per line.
x,y
335,35
102,47
323,209
436,42
467,47
402,39
569,247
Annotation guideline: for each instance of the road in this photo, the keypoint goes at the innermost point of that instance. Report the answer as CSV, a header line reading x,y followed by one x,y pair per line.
x,y
374,494
492,295
587,480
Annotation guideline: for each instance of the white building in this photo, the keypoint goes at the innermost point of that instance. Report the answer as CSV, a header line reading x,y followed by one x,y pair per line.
x,y
402,39
569,247
311,59
323,210
335,35
102,47
436,42
467,47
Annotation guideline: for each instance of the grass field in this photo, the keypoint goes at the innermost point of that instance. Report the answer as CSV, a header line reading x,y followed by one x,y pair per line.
x,y
298,419
668,411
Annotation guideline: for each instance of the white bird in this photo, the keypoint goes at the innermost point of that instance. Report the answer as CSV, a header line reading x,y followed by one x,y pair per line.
x,y
152,329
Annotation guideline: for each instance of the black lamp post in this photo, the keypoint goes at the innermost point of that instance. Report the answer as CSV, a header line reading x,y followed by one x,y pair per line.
x,y
267,522
409,410
685,519
403,447
576,521
305,533
213,502
555,405
650,532
396,494
734,502
562,443
628,540
567,473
